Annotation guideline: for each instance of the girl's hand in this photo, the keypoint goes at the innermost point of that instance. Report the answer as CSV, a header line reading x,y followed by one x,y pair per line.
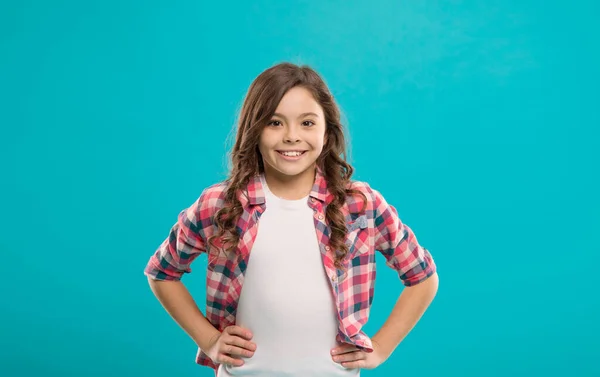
x,y
228,346
351,357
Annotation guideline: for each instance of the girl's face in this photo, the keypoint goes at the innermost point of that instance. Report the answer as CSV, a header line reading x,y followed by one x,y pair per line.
x,y
297,128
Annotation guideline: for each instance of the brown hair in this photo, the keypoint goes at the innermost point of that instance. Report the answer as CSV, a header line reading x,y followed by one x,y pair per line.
x,y
259,105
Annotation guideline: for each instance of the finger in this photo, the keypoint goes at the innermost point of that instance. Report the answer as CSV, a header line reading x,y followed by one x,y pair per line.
x,y
344,349
240,342
236,351
239,331
349,357
224,359
353,364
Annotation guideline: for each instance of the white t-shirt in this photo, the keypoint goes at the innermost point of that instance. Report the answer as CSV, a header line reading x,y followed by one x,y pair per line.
x,y
286,301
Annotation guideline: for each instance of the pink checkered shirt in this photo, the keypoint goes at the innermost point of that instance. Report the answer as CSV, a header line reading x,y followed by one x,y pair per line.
x,y
378,228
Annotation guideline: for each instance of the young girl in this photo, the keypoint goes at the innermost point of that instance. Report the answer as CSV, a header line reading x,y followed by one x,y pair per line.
x,y
291,242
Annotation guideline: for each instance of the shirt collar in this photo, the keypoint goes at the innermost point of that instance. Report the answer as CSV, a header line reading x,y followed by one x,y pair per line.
x,y
256,194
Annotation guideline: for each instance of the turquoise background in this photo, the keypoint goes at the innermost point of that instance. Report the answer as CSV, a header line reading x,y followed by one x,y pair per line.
x,y
477,120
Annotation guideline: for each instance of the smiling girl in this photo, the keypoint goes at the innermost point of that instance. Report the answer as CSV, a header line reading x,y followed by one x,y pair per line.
x,y
291,243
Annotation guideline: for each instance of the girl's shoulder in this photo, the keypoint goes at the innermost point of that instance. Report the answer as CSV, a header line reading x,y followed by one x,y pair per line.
x,y
216,190
355,202
376,202
362,187
212,197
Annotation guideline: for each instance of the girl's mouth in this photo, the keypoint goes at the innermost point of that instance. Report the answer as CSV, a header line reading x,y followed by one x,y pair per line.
x,y
291,156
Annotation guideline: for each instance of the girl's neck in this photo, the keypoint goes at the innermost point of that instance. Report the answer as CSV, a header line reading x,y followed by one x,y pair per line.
x,y
290,187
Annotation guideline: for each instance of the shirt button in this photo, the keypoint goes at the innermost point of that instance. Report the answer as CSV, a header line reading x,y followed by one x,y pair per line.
x,y
320,217
312,200
327,248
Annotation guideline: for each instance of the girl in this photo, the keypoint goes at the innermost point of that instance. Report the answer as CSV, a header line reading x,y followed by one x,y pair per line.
x,y
291,243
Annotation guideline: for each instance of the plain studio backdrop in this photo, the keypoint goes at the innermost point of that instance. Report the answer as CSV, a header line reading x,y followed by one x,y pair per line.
x,y
478,121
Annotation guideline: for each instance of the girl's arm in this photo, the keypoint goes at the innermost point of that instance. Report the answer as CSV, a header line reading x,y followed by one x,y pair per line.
x,y
416,269
409,308
167,266
222,347
178,302
186,241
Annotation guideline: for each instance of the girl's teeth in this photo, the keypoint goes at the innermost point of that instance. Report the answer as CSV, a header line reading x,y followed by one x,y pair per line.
x,y
292,154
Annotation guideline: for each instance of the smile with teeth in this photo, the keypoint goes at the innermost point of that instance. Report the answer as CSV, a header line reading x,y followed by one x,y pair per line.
x,y
291,154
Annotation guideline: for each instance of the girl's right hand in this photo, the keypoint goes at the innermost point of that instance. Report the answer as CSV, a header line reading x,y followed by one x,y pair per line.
x,y
228,346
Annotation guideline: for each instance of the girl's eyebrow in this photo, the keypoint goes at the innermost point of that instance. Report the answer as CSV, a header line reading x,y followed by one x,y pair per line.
x,y
299,116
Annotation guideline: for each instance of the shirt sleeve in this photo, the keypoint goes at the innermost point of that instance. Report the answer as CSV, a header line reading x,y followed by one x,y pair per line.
x,y
399,245
175,254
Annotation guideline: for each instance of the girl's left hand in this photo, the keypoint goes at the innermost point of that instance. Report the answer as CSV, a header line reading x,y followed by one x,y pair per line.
x,y
351,357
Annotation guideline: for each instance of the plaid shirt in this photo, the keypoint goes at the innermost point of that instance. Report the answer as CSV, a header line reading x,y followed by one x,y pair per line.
x,y
378,228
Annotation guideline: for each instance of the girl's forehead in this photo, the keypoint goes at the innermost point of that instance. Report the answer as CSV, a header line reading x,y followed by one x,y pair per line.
x,y
297,102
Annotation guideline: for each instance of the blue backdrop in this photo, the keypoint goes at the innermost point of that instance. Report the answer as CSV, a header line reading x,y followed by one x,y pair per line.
x,y
477,120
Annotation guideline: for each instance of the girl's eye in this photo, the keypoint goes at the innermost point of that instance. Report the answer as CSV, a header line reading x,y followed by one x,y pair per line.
x,y
306,123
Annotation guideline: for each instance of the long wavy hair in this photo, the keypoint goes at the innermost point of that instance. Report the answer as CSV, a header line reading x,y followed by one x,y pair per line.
x,y
258,107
